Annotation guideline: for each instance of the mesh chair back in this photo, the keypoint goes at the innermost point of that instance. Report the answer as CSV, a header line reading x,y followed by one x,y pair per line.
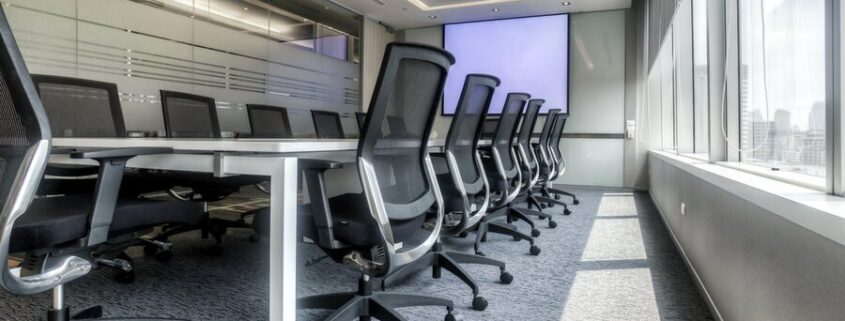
x,y
545,135
189,116
327,124
394,141
488,130
554,141
503,139
269,121
360,117
527,129
466,128
80,108
24,151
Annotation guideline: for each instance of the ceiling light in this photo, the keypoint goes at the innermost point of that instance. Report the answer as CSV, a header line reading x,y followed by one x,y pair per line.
x,y
495,9
432,17
246,9
566,3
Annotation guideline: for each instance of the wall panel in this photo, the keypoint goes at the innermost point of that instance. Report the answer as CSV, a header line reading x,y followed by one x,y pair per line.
x,y
145,48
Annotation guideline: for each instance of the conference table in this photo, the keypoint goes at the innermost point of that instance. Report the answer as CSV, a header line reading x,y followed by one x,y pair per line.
x,y
273,158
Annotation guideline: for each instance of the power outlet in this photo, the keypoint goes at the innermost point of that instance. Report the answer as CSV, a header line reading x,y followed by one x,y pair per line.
x,y
683,208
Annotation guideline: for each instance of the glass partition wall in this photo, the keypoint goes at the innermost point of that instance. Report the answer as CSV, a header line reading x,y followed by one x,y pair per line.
x,y
236,51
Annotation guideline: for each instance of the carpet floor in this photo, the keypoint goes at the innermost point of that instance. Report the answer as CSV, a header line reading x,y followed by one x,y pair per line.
x,y
612,259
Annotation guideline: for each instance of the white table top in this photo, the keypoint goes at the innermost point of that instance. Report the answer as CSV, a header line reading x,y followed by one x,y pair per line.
x,y
252,145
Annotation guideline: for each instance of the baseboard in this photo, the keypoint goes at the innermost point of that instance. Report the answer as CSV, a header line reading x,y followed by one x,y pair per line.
x,y
701,287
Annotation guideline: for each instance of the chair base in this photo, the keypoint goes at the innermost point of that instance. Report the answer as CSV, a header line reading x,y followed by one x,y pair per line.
x,y
547,191
94,313
438,259
485,226
367,304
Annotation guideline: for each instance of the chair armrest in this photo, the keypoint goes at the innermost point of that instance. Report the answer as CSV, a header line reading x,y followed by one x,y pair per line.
x,y
62,150
70,170
313,172
121,152
305,163
109,177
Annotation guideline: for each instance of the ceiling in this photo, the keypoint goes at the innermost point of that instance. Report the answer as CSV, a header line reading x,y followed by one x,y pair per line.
x,y
403,14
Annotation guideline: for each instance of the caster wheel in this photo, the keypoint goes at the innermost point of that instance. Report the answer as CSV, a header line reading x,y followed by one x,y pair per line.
x,y
557,196
164,256
534,250
150,250
479,253
214,250
535,232
121,276
479,303
463,235
254,237
567,212
551,205
576,202
552,224
506,278
543,206
453,317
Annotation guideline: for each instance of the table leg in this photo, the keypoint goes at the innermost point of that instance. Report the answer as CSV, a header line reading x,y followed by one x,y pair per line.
x,y
283,241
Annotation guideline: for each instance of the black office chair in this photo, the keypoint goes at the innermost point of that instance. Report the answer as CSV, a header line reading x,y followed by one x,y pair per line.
x,y
530,170
62,238
91,109
192,116
360,117
327,124
269,121
559,162
548,163
504,175
383,229
464,189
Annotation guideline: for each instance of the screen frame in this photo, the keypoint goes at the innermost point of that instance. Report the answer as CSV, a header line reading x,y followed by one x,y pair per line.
x,y
568,58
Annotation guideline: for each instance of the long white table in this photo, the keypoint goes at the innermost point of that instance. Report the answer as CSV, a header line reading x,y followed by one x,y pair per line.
x,y
274,158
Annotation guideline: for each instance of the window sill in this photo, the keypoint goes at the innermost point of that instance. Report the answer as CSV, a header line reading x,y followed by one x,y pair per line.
x,y
812,182
810,208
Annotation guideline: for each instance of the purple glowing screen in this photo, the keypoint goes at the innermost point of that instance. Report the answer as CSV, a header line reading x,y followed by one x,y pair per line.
x,y
528,55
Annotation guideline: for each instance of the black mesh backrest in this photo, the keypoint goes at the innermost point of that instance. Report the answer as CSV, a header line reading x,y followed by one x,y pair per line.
x,y
189,116
327,124
23,122
554,141
527,128
268,121
489,129
81,108
547,132
467,125
503,140
360,117
395,136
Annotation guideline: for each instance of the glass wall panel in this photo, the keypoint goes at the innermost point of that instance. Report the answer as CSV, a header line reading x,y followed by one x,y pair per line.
x,y
782,85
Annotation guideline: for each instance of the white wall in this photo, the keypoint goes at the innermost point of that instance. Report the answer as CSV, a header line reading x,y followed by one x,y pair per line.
x,y
753,262
168,50
597,96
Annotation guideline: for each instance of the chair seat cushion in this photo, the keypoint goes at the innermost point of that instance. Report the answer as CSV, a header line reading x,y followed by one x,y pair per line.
x,y
353,223
56,220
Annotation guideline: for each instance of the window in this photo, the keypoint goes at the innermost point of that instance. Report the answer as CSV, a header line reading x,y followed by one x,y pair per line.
x,y
782,85
667,80
701,95
683,43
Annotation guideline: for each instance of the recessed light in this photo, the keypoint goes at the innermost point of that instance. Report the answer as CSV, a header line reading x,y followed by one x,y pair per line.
x,y
495,9
566,3
432,17
246,9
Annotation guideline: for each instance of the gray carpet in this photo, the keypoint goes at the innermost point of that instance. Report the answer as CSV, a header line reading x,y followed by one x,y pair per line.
x,y
611,260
